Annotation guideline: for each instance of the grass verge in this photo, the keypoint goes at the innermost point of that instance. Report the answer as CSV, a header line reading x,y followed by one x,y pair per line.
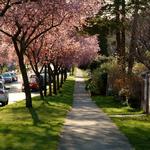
x,y
111,106
136,128
37,128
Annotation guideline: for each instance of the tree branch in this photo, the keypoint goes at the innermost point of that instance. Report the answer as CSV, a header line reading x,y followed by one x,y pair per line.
x,y
6,7
46,30
6,33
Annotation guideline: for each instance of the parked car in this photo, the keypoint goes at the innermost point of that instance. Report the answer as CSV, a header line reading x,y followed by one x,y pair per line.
x,y
33,83
7,77
3,94
2,79
14,76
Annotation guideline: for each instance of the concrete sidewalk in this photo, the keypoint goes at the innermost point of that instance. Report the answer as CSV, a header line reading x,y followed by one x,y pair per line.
x,y
87,127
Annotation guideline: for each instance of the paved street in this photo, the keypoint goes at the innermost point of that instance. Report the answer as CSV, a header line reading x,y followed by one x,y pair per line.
x,y
15,91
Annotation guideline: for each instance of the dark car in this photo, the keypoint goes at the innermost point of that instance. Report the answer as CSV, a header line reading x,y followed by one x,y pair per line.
x,y
7,77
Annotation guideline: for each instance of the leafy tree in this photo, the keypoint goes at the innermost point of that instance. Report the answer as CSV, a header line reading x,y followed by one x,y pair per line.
x,y
99,26
62,47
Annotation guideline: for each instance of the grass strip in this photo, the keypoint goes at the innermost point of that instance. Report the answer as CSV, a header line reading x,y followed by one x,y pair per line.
x,y
111,106
37,128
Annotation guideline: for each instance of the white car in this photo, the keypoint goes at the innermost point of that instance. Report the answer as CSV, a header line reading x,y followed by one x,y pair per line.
x,y
3,94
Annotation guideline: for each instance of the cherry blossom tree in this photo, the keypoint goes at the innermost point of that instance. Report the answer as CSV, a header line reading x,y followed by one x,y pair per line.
x,y
6,4
63,47
63,51
69,50
35,61
7,55
26,22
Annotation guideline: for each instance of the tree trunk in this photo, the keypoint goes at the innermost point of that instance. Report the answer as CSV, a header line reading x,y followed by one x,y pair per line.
x,y
147,96
26,82
41,84
50,80
123,37
72,70
23,70
62,77
134,32
65,74
118,38
103,41
45,81
54,81
58,87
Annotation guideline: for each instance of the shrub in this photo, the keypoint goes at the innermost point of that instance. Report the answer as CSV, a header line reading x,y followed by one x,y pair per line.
x,y
128,88
109,74
97,83
138,68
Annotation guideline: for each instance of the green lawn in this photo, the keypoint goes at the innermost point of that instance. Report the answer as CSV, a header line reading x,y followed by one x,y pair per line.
x,y
111,106
137,129
37,128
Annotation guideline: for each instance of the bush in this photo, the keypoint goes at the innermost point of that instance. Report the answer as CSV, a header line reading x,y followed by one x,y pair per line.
x,y
138,68
128,88
109,74
98,83
135,102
